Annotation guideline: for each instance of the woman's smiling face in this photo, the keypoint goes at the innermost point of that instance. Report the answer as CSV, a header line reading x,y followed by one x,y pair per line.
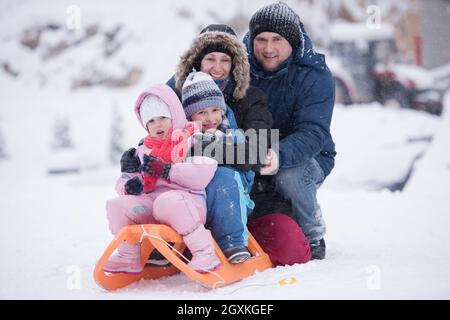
x,y
217,65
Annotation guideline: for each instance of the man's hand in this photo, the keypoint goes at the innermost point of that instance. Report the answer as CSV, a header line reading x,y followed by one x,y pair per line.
x,y
129,162
271,164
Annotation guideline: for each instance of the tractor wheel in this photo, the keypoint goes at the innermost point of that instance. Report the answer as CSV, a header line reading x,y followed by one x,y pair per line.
x,y
394,97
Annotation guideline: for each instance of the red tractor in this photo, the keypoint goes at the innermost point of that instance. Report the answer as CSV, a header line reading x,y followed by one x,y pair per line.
x,y
366,67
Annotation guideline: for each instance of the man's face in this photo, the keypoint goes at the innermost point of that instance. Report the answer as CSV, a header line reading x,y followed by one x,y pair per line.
x,y
271,50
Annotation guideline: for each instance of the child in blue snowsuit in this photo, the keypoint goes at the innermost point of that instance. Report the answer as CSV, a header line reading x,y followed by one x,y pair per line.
x,y
203,101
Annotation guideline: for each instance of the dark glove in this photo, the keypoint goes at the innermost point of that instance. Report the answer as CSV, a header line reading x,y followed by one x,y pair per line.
x,y
134,186
156,167
129,162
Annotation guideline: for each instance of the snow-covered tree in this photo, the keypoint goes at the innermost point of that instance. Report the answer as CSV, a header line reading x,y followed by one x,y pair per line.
x,y
2,146
61,134
116,139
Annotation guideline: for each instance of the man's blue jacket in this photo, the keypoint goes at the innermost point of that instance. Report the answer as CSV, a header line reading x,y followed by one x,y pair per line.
x,y
301,100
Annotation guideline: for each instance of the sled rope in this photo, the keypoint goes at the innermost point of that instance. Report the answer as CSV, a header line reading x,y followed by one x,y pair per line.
x,y
146,234
290,280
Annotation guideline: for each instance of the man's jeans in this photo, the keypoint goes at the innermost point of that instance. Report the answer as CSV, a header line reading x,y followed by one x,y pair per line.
x,y
300,185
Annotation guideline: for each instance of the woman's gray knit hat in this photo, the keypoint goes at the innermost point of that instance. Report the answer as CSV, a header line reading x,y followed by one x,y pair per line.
x,y
200,92
278,18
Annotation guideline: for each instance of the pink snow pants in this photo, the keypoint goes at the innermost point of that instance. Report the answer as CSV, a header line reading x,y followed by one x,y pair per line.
x,y
178,209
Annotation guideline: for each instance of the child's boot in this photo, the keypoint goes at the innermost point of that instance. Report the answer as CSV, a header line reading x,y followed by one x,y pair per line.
x,y
237,254
126,260
201,245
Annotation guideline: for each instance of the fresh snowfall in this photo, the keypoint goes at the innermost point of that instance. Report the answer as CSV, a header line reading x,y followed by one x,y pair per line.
x,y
386,204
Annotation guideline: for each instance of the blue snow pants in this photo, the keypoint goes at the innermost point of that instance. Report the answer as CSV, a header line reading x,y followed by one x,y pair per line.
x,y
229,204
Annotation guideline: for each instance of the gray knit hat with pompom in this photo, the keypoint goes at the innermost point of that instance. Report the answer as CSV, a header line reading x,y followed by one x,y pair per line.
x,y
200,92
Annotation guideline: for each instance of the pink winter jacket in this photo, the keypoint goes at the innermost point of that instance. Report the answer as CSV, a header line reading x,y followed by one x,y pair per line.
x,y
194,174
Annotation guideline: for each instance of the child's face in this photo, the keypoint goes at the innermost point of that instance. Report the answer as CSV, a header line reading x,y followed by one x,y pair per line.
x,y
159,127
211,118
217,64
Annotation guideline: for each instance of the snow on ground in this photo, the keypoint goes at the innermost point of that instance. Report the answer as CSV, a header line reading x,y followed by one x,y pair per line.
x,y
381,244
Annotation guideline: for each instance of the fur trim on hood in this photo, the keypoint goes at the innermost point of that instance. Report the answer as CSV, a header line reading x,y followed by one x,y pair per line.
x,y
241,68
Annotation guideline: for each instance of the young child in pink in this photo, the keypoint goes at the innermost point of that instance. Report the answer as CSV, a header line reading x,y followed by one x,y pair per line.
x,y
164,187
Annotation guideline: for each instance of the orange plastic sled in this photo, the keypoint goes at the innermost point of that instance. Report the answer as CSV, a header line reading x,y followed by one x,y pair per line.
x,y
151,234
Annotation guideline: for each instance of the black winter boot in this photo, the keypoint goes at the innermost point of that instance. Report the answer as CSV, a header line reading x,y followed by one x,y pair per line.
x,y
318,249
236,254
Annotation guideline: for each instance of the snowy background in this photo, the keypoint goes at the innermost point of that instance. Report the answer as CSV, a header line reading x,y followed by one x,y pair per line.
x,y
63,102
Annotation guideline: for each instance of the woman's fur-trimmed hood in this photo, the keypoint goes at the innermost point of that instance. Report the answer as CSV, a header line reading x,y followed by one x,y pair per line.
x,y
241,68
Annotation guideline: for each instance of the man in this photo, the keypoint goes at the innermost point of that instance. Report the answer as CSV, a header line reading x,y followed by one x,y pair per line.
x,y
300,88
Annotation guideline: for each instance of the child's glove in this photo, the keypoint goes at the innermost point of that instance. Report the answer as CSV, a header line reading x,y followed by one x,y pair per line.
x,y
129,162
134,186
156,167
